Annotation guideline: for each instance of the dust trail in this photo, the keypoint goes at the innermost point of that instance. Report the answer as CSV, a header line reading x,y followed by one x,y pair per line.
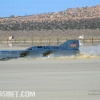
x,y
91,50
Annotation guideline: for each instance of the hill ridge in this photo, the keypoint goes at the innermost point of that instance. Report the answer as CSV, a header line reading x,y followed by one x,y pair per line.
x,y
72,18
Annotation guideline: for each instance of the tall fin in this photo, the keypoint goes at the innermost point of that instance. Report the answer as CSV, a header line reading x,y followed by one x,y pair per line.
x,y
70,44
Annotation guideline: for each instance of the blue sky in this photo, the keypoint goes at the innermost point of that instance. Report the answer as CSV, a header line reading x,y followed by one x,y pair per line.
x,y
29,7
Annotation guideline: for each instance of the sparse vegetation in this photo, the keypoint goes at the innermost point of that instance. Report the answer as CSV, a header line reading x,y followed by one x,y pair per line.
x,y
71,22
52,34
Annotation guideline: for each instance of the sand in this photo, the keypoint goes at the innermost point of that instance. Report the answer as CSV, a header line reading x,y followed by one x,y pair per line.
x,y
52,79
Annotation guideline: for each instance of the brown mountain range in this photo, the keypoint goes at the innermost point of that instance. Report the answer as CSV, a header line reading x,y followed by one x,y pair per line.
x,y
72,18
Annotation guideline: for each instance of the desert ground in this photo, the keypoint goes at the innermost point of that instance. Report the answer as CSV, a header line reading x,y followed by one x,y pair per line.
x,y
71,79
62,78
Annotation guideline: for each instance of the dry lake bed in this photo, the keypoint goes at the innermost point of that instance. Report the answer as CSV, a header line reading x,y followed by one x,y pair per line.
x,y
52,79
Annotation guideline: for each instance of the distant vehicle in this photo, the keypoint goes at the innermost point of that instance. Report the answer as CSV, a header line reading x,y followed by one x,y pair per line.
x,y
70,47
11,37
81,37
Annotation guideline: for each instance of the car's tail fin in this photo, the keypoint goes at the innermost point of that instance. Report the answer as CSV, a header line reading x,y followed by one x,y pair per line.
x,y
70,44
